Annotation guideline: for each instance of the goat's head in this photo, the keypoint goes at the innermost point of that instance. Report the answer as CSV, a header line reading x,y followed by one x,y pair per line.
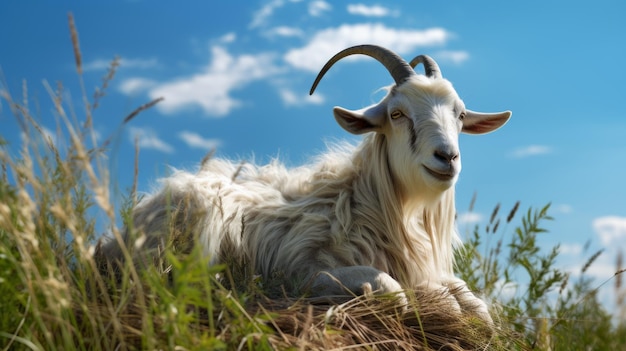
x,y
421,117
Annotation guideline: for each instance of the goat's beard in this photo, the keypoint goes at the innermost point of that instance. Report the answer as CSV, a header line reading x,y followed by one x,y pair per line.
x,y
422,188
437,184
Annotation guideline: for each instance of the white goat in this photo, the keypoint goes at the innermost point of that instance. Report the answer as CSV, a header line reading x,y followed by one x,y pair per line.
x,y
378,216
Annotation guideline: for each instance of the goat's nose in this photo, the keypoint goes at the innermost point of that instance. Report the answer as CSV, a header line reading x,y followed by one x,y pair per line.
x,y
446,156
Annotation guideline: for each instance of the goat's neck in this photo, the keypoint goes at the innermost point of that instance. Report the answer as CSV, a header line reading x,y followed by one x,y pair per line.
x,y
410,221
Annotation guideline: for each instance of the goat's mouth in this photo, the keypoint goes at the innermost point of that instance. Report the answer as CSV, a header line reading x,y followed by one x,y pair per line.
x,y
444,176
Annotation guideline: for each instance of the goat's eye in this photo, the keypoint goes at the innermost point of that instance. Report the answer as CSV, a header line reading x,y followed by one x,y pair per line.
x,y
396,114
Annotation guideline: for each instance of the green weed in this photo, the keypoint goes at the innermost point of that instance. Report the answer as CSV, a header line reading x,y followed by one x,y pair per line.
x,y
55,294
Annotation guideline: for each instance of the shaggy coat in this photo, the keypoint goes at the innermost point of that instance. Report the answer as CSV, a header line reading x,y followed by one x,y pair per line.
x,y
378,216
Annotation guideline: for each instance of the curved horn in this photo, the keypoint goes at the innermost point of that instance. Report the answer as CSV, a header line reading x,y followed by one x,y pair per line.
x,y
397,67
430,66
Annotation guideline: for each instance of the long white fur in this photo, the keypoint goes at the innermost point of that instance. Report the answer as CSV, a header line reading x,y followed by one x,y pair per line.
x,y
359,217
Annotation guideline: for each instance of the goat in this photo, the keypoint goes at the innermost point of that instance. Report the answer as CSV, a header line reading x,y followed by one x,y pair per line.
x,y
378,216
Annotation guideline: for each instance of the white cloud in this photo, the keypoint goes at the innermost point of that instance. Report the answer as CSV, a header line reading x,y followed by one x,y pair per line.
x,y
611,230
102,64
292,99
148,139
564,208
318,7
134,86
505,291
469,218
573,249
195,140
326,43
369,11
97,65
602,268
211,89
284,31
47,135
228,38
456,57
602,271
531,150
261,16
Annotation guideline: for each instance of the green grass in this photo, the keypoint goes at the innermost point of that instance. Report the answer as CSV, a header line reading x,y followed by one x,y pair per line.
x,y
55,296
551,309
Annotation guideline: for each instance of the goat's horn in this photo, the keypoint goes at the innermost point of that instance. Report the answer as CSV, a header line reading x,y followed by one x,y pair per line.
x,y
397,67
430,66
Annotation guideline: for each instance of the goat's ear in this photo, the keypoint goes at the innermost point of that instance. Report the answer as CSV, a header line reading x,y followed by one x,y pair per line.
x,y
481,123
369,119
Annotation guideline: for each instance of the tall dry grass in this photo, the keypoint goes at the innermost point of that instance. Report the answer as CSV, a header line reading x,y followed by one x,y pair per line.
x,y
56,294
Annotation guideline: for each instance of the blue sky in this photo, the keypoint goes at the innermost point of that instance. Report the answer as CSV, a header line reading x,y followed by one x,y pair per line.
x,y
235,75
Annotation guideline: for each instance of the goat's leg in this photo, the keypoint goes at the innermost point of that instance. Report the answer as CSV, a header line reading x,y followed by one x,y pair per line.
x,y
442,293
469,302
354,280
